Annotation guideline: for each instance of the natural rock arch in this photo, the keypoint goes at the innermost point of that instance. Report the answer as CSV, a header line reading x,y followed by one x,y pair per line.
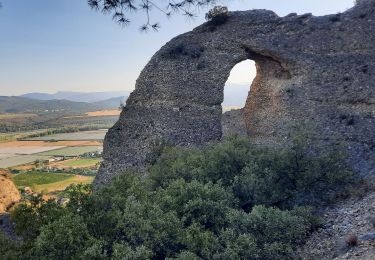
x,y
313,70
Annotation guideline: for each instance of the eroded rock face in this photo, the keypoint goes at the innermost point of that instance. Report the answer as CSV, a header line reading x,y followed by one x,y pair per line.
x,y
9,194
233,124
314,71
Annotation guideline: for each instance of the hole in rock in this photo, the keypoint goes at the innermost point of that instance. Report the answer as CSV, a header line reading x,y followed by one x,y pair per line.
x,y
238,85
236,91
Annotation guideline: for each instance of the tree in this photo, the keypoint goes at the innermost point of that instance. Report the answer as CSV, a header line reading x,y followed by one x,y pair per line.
x,y
122,9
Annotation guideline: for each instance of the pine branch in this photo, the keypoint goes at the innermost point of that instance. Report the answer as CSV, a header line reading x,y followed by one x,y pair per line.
x,y
122,9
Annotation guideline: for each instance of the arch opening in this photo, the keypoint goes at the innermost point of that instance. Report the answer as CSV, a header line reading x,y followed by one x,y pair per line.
x,y
236,92
238,85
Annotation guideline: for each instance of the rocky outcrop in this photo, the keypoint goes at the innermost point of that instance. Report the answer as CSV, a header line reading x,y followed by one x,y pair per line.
x,y
9,194
353,218
233,124
312,71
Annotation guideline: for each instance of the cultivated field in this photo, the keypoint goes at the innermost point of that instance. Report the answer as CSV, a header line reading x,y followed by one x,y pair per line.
x,y
79,163
22,150
17,153
72,151
5,155
7,137
15,116
77,136
20,160
114,112
62,185
39,178
49,182
49,143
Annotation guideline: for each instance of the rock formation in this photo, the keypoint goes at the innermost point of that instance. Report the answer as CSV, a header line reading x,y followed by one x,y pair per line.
x,y
233,124
348,218
314,71
9,194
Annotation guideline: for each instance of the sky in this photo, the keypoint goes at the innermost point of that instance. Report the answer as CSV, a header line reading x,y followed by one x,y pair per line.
x,y
63,45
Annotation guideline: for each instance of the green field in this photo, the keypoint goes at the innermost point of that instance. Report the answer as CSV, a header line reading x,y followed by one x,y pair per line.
x,y
46,182
71,151
39,178
82,162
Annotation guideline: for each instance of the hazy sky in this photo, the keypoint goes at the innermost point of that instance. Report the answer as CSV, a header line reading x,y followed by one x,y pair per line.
x,y
52,45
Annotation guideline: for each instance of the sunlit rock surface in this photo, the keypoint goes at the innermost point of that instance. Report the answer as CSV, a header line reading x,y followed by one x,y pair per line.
x,y
9,194
318,72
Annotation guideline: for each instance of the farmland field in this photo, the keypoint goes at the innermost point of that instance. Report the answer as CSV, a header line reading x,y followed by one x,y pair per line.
x,y
84,135
81,162
49,182
14,116
20,160
71,151
38,178
6,137
50,143
27,149
114,112
6,155
62,185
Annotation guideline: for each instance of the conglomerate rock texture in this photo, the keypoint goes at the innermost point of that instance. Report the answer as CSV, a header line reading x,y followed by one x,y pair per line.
x,y
9,194
313,71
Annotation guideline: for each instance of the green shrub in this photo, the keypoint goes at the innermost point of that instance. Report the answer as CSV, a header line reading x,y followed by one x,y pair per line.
x,y
227,201
31,217
195,202
65,238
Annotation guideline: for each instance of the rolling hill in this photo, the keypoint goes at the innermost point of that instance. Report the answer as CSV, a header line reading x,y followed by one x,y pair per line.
x,y
26,105
77,96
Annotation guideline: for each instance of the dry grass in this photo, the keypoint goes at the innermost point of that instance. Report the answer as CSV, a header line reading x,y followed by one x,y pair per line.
x,y
26,167
16,116
76,163
109,112
113,112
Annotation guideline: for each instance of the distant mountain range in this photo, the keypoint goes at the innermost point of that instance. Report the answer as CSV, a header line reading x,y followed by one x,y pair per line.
x,y
235,95
81,102
78,96
39,104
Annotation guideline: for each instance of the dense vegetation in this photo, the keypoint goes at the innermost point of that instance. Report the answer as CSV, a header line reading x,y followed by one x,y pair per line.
x,y
228,201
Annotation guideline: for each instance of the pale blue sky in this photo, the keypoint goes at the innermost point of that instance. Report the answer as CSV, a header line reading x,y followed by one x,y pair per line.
x,y
52,45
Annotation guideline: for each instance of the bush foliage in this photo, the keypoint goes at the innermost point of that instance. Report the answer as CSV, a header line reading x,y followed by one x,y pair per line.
x,y
230,200
218,15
